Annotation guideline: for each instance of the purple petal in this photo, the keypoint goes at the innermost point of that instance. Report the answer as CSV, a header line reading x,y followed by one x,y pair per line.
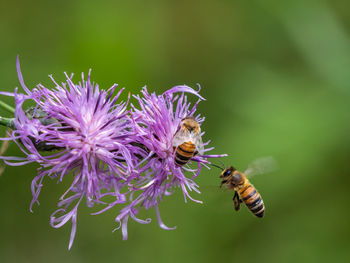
x,y
183,88
160,222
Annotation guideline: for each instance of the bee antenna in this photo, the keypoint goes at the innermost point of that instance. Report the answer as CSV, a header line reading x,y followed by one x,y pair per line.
x,y
223,165
217,166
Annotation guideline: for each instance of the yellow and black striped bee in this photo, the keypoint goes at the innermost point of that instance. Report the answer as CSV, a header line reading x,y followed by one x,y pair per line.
x,y
244,191
187,141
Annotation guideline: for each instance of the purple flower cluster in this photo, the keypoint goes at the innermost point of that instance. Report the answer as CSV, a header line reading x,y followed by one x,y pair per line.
x,y
114,152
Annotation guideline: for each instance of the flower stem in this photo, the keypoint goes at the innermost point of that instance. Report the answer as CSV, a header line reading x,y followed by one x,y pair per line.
x,y
7,107
7,122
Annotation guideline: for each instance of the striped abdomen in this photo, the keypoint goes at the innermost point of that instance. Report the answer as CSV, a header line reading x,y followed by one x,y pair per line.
x,y
184,153
252,199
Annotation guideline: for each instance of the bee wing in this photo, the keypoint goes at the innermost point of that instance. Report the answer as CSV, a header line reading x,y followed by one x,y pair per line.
x,y
180,137
184,136
261,166
199,144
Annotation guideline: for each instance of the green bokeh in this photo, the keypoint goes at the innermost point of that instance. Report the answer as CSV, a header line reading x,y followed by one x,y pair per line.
x,y
276,75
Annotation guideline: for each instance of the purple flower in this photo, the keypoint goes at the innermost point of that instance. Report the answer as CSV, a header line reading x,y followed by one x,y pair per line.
x,y
156,123
81,132
91,134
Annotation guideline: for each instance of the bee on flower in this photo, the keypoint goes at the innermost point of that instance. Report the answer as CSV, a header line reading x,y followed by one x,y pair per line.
x,y
169,130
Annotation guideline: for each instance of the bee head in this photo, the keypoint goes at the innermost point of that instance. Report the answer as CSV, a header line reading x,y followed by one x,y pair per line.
x,y
227,172
190,124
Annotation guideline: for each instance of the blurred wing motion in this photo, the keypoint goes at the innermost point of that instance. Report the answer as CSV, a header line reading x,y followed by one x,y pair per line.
x,y
261,166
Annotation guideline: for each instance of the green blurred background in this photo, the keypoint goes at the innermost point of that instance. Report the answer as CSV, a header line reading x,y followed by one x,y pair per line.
x,y
276,78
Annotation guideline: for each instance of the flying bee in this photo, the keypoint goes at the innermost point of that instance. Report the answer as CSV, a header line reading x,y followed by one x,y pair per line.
x,y
244,190
187,141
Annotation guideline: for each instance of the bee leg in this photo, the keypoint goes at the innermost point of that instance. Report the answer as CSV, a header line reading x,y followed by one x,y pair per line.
x,y
236,201
223,182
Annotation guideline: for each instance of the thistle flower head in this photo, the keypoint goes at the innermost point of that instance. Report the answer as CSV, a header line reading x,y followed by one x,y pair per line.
x,y
93,133
156,121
